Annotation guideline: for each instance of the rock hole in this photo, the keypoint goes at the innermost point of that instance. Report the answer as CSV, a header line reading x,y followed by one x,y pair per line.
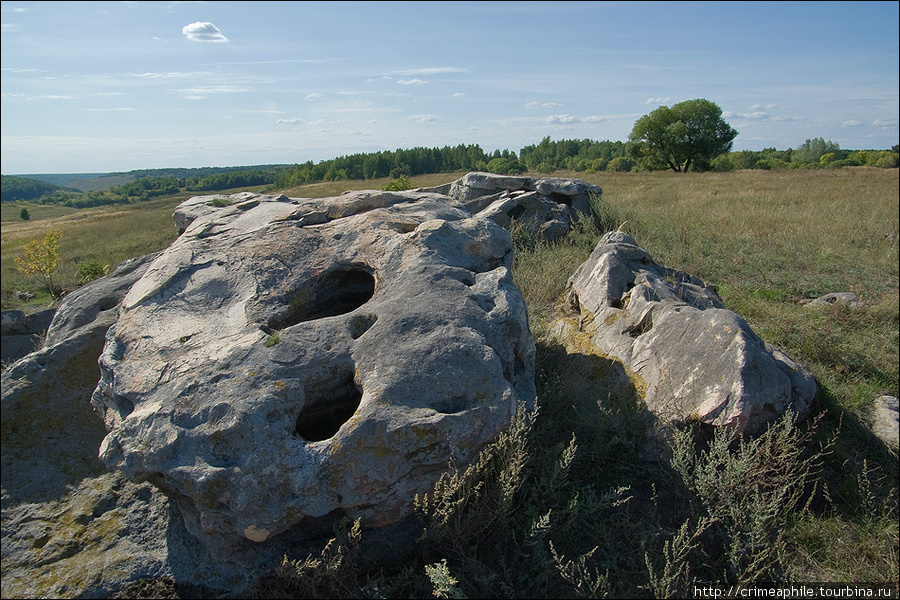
x,y
642,326
328,407
361,324
332,293
561,198
516,212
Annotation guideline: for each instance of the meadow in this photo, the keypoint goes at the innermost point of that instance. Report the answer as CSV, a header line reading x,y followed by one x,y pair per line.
x,y
577,499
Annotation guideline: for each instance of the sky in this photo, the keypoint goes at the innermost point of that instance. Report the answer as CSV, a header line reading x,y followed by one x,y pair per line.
x,y
116,86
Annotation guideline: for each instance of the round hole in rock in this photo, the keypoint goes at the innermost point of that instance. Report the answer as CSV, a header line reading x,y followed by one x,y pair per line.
x,y
332,293
327,409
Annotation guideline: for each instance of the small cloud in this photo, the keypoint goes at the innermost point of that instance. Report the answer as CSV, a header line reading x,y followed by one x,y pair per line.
x,y
424,118
752,116
314,96
542,105
769,106
592,119
659,100
411,81
459,94
203,31
431,71
562,119
851,123
292,121
119,109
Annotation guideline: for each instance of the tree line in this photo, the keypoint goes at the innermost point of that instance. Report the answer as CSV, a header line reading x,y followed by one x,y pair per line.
x,y
546,157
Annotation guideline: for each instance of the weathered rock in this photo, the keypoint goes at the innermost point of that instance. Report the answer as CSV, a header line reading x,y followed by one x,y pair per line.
x,y
688,356
545,207
885,417
70,528
848,299
21,334
286,359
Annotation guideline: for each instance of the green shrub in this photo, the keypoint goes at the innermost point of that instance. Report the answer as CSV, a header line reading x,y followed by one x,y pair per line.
x,y
91,269
402,182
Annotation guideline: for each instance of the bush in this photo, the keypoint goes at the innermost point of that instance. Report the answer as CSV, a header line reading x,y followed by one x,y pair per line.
x,y
90,270
621,164
399,184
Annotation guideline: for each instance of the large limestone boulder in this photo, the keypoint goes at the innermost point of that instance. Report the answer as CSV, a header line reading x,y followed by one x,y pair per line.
x,y
689,357
284,360
70,527
544,207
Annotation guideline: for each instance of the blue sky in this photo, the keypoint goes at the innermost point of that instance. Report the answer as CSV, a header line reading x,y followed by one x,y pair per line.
x,y
116,86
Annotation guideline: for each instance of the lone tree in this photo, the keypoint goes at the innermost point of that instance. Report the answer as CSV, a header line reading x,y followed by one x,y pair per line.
x,y
691,133
42,259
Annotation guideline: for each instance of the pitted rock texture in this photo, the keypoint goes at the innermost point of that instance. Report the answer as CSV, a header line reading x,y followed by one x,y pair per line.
x,y
689,356
285,359
544,207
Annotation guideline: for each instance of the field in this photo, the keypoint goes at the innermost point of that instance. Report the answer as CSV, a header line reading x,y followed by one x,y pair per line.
x,y
576,500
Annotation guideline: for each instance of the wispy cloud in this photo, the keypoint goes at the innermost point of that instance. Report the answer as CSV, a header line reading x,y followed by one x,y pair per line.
x,y
768,106
172,75
851,123
314,96
291,121
542,105
203,31
562,119
660,100
199,93
424,118
115,109
411,81
592,119
431,71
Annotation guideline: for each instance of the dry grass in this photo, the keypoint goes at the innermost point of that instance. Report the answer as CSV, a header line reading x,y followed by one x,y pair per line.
x,y
575,501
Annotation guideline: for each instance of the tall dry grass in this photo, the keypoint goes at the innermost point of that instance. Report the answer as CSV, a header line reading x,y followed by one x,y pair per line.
x,y
576,500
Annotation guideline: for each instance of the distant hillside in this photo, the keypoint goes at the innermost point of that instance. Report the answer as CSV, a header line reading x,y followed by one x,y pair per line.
x,y
22,188
98,182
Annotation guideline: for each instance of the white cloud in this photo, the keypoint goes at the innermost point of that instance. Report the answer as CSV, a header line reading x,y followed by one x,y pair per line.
x,y
542,105
459,94
424,118
851,123
769,106
121,109
291,121
314,96
884,122
659,100
592,119
562,119
752,116
431,71
203,31
411,81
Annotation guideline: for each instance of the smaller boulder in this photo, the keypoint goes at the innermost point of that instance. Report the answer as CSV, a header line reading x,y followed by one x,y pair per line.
x,y
688,356
885,416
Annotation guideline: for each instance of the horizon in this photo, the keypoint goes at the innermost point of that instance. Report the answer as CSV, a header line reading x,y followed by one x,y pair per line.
x,y
113,87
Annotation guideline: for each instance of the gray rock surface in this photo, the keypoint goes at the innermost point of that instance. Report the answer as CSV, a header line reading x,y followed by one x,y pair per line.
x,y
21,335
885,417
544,207
286,359
69,527
689,357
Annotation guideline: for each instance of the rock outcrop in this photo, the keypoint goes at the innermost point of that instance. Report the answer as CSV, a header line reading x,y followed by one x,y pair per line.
x,y
22,334
544,207
687,356
286,359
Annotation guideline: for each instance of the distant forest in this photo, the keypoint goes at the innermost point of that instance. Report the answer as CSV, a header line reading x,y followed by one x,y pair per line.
x,y
548,156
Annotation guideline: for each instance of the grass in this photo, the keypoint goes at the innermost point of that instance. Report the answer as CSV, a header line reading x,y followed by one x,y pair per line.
x,y
577,499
